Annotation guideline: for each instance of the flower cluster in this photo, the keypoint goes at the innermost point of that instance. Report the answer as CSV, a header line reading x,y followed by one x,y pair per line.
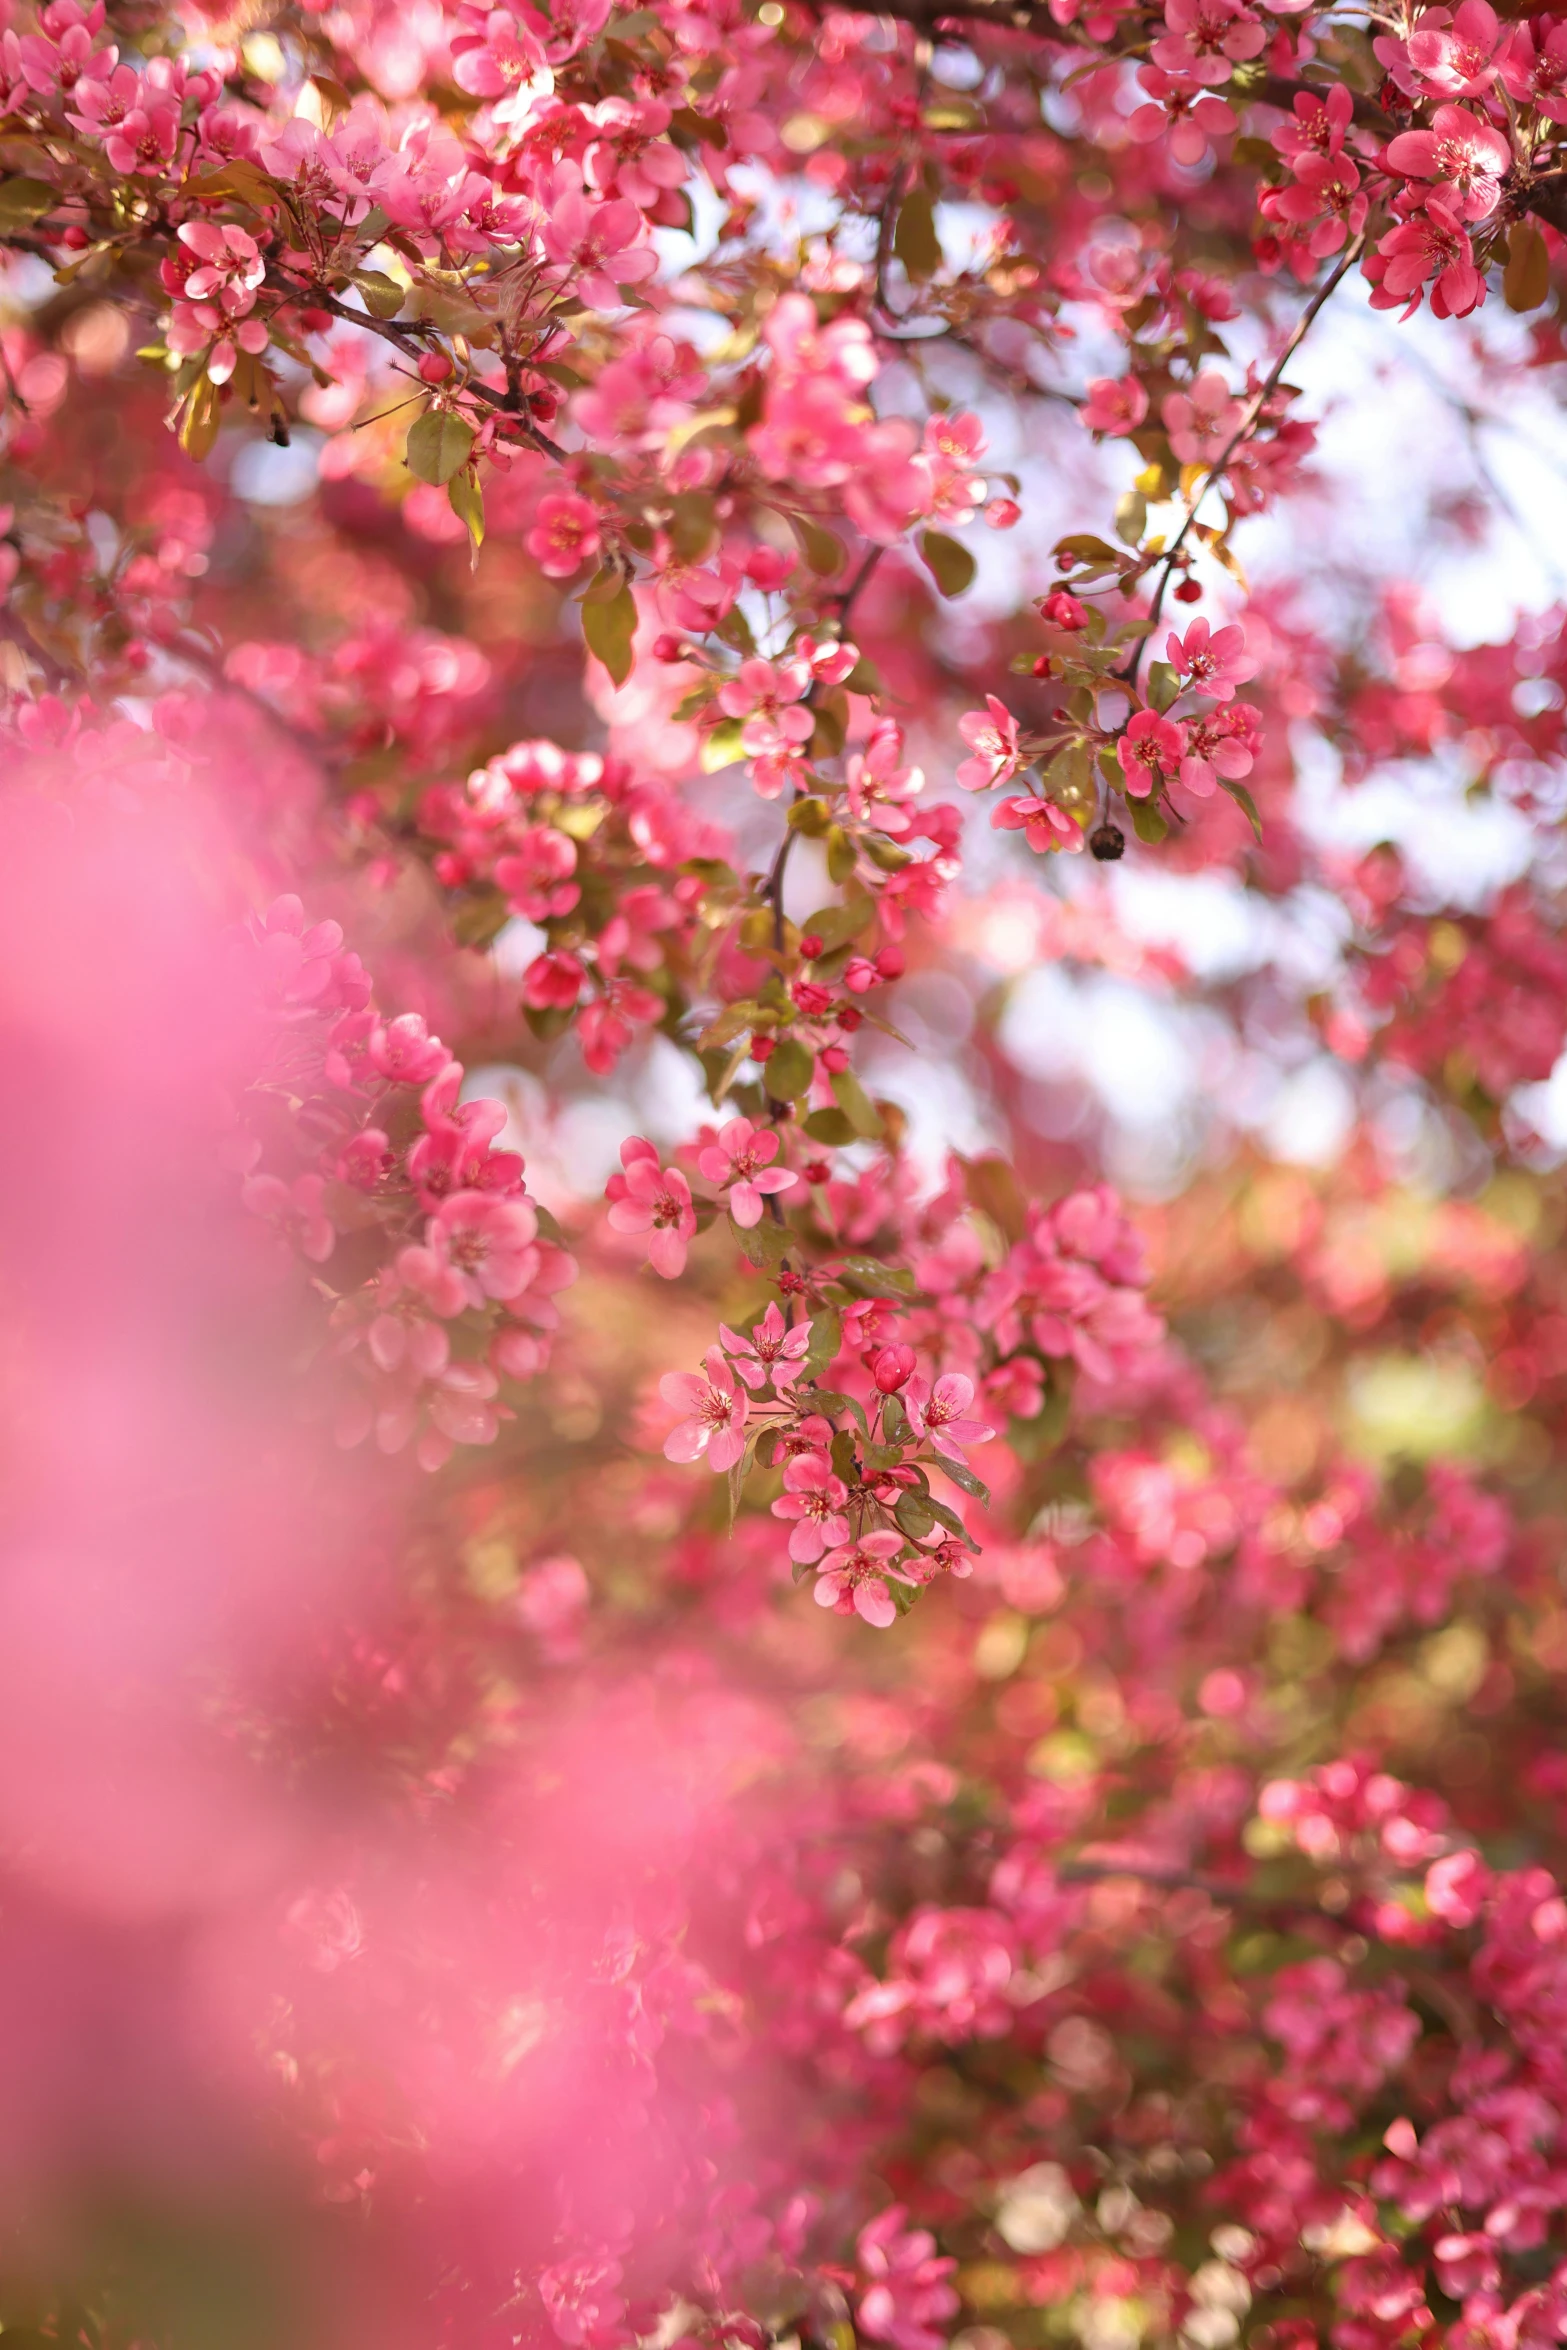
x,y
423,1244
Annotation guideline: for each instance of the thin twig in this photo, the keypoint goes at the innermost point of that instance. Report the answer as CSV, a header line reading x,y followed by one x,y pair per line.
x,y
1250,419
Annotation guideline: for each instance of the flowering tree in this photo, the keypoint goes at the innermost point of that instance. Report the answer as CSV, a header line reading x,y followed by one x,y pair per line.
x,y
650,1692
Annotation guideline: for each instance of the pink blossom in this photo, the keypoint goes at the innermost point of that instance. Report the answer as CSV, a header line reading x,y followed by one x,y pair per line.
x,y
1205,38
1319,125
231,268
1431,246
768,696
1462,152
649,1198
1460,60
581,2300
598,247
552,1599
1043,824
716,1410
486,1242
1202,422
1327,199
296,1209
740,1162
462,1405
879,782
909,2296
853,1579
404,1051
772,1351
1191,116
1218,743
536,873
553,982
565,534
1534,67
991,735
499,57
1211,663
939,1413
1150,751
1115,405
815,1499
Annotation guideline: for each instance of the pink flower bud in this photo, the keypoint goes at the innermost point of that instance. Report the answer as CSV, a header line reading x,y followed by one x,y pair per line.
x,y
893,1368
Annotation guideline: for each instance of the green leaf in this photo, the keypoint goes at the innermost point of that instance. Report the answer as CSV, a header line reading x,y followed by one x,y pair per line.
x,y
1088,551
961,1474
826,1339
1164,684
693,524
700,128
822,548
22,201
788,1070
1149,826
948,1518
608,630
481,920
832,724
238,177
1131,518
995,1190
604,586
1526,280
766,1244
691,705
383,297
737,1477
1243,799
466,499
868,1277
844,1461
841,859
720,746
894,1421
809,816
950,566
916,243
830,1127
828,1400
439,444
913,1515
856,1104
199,420
836,925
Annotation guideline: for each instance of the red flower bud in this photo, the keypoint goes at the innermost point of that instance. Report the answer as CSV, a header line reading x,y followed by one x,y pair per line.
x,y
763,1047
893,1368
1062,610
810,946
435,367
